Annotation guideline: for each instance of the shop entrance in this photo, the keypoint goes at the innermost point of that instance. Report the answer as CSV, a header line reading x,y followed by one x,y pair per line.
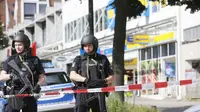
x,y
170,74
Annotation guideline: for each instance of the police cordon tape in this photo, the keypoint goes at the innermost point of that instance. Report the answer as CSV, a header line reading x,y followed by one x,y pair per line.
x,y
130,87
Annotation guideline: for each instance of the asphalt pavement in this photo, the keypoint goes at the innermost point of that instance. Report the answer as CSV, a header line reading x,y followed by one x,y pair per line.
x,y
166,105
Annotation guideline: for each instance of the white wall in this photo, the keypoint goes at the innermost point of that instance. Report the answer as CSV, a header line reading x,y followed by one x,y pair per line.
x,y
72,9
188,19
78,10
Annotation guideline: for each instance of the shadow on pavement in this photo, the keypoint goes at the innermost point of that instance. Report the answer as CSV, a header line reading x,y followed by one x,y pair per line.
x,y
65,110
173,109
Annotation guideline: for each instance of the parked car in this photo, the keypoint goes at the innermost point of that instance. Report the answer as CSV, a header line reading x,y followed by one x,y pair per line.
x,y
2,100
56,80
194,108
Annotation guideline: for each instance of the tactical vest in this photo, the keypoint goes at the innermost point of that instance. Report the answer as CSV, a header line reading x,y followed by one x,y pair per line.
x,y
33,78
91,68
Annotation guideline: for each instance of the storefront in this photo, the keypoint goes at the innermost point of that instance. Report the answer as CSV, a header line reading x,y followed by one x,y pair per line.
x,y
157,62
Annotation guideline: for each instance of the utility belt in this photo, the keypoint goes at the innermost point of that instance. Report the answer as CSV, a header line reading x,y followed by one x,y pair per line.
x,y
81,86
16,103
10,90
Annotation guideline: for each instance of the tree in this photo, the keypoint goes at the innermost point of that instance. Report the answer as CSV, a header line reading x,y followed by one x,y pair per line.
x,y
4,41
134,8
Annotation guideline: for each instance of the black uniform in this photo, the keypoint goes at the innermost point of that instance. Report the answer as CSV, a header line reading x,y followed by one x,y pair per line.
x,y
32,68
36,67
96,68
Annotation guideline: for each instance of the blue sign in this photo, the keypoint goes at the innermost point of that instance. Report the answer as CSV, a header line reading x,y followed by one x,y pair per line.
x,y
109,50
170,70
130,38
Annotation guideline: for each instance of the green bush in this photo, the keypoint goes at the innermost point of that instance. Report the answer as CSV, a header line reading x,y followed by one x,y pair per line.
x,y
115,105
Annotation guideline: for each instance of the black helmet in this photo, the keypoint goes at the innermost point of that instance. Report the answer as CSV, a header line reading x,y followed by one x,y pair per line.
x,y
90,39
21,37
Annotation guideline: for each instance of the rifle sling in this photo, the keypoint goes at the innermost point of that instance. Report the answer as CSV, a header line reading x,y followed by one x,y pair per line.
x,y
27,68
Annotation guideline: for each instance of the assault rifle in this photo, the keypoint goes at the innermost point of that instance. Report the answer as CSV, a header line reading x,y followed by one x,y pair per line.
x,y
22,76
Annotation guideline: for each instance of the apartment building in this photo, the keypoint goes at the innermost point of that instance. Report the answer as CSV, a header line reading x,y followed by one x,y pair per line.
x,y
11,10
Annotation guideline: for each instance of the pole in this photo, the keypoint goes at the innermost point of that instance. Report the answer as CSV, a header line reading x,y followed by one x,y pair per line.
x,y
178,58
90,17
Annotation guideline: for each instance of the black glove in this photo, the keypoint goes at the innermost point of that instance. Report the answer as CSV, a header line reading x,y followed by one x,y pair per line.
x,y
15,79
83,98
96,83
37,89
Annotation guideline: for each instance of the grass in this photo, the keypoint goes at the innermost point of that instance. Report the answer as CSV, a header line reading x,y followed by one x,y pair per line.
x,y
115,105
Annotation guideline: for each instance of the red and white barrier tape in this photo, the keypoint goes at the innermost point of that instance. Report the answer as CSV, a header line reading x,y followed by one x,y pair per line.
x,y
131,87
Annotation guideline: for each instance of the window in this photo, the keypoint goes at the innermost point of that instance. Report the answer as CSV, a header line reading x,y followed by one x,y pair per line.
x,y
143,54
13,4
192,33
101,20
164,50
42,8
156,51
149,53
56,78
172,48
12,12
105,20
96,17
29,10
75,28
44,32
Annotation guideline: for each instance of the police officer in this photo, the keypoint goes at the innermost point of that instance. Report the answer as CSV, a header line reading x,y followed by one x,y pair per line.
x,y
32,66
90,70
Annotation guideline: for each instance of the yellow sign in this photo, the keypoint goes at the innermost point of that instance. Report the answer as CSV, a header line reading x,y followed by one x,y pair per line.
x,y
152,40
141,38
131,62
163,37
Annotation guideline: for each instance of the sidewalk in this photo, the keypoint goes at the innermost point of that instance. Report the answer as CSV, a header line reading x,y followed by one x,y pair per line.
x,y
166,105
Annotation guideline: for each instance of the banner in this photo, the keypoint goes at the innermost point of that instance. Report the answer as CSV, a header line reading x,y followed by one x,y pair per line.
x,y
110,11
170,70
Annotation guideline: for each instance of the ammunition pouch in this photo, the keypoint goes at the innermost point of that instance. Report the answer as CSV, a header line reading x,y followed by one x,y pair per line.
x,y
88,99
78,85
96,83
16,103
92,99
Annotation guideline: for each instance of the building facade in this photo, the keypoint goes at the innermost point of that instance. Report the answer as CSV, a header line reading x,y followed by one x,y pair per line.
x,y
11,10
167,56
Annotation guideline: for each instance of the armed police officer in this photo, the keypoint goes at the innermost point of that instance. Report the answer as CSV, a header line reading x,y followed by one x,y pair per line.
x,y
32,70
91,70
